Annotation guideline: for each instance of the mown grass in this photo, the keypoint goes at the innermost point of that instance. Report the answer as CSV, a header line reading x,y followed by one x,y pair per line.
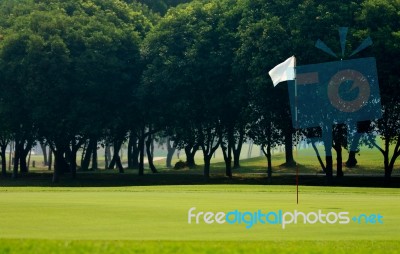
x,y
107,212
160,212
153,219
191,247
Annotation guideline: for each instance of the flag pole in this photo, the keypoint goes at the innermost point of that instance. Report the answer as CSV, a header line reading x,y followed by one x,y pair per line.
x,y
279,74
296,119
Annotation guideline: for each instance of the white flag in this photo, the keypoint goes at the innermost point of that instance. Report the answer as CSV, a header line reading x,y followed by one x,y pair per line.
x,y
283,71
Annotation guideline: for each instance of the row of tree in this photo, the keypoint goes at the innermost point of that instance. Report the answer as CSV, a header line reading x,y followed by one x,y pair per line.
x,y
77,74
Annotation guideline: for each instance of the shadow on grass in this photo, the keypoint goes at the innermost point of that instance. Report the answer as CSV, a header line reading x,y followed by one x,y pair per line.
x,y
106,179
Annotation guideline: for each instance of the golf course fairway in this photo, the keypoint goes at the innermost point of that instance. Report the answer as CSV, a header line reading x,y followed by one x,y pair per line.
x,y
155,219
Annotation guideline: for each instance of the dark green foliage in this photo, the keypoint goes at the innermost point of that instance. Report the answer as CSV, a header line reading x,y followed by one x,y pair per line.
x,y
180,165
66,67
77,71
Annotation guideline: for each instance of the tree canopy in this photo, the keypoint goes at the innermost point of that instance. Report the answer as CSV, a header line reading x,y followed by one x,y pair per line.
x,y
75,74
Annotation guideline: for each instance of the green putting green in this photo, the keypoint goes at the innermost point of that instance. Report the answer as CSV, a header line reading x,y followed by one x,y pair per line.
x,y
145,217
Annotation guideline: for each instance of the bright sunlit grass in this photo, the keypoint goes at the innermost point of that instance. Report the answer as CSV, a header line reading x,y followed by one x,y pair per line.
x,y
154,220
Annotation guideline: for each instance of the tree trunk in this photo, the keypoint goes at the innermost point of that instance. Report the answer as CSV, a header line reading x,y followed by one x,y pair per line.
x,y
72,163
50,159
327,136
135,154
72,154
116,160
170,152
329,169
16,159
133,151
119,165
228,161
319,157
289,150
107,155
388,168
267,153
67,158
207,163
190,151
130,148
141,153
29,159
23,168
84,153
170,155
237,150
149,152
112,160
227,153
44,150
58,166
351,161
269,160
152,147
94,155
236,158
87,155
3,161
10,158
23,153
209,144
339,160
388,174
190,162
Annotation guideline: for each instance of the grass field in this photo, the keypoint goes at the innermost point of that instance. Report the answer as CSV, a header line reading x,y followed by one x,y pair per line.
x,y
106,212
153,219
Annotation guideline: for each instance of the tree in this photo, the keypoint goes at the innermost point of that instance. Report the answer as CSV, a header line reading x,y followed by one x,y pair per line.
x,y
262,23
234,90
268,108
384,31
16,102
299,24
5,138
263,127
190,56
160,6
81,59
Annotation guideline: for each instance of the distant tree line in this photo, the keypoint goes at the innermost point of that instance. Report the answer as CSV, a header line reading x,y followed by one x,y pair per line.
x,y
79,74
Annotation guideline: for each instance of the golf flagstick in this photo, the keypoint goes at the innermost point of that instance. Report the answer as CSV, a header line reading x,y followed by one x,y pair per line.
x,y
283,72
296,119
